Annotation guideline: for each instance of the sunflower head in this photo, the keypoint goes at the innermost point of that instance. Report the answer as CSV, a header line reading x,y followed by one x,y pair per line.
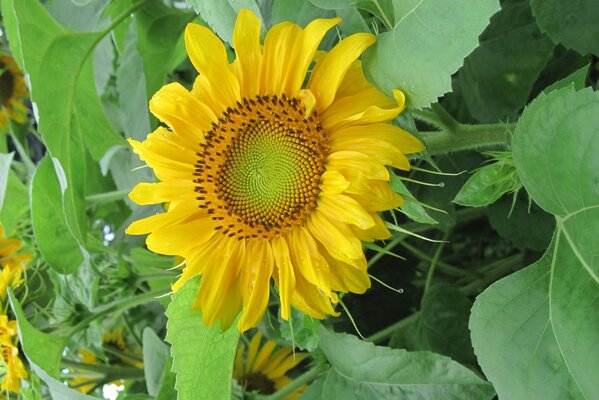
x,y
12,92
274,167
264,368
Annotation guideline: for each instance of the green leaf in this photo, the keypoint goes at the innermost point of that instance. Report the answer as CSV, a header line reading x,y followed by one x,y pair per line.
x,y
54,239
542,322
524,225
487,185
5,161
422,51
202,356
444,318
16,204
300,13
44,353
574,24
221,15
70,113
159,28
383,9
300,331
411,207
156,357
498,76
441,325
577,78
369,371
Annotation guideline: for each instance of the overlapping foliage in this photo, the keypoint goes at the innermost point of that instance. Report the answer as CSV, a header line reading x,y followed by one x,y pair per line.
x,y
488,286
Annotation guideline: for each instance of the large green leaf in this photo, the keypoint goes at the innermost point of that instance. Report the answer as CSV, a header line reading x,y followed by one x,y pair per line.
x,y
202,356
498,76
44,353
300,13
69,112
52,235
159,33
383,9
423,50
572,23
542,323
221,15
375,372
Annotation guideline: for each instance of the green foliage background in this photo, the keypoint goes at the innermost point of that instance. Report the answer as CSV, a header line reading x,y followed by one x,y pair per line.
x,y
495,251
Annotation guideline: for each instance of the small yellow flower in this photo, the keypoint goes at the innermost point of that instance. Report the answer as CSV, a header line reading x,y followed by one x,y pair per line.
x,y
270,175
14,368
12,264
12,92
264,369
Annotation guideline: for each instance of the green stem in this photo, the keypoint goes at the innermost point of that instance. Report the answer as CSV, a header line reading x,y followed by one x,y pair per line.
x,y
495,270
467,137
107,197
23,154
434,261
118,306
388,331
295,384
118,372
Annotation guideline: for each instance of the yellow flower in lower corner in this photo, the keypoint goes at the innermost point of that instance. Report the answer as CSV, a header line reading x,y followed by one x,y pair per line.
x,y
12,92
12,264
14,370
268,178
264,369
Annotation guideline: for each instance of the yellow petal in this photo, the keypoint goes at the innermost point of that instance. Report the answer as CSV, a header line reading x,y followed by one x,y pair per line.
x,y
276,359
303,53
252,352
345,209
332,68
308,260
333,182
208,55
178,239
183,210
336,238
183,113
377,149
153,193
397,137
378,232
238,365
246,41
255,283
287,364
280,250
279,43
263,356
357,161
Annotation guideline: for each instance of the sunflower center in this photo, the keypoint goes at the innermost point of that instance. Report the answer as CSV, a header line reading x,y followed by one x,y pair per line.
x,y
260,383
6,84
261,166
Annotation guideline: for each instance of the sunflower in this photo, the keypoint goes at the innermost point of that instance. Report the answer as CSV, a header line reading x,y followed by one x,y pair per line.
x,y
12,264
264,369
86,382
13,366
12,92
269,176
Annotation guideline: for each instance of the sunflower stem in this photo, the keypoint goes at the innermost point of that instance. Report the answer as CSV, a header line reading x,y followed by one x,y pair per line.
x,y
295,384
434,262
117,306
388,331
467,137
116,372
107,197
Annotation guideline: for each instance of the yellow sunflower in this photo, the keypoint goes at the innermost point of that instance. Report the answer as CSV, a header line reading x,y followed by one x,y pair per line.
x,y
12,264
14,370
264,369
270,176
12,92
